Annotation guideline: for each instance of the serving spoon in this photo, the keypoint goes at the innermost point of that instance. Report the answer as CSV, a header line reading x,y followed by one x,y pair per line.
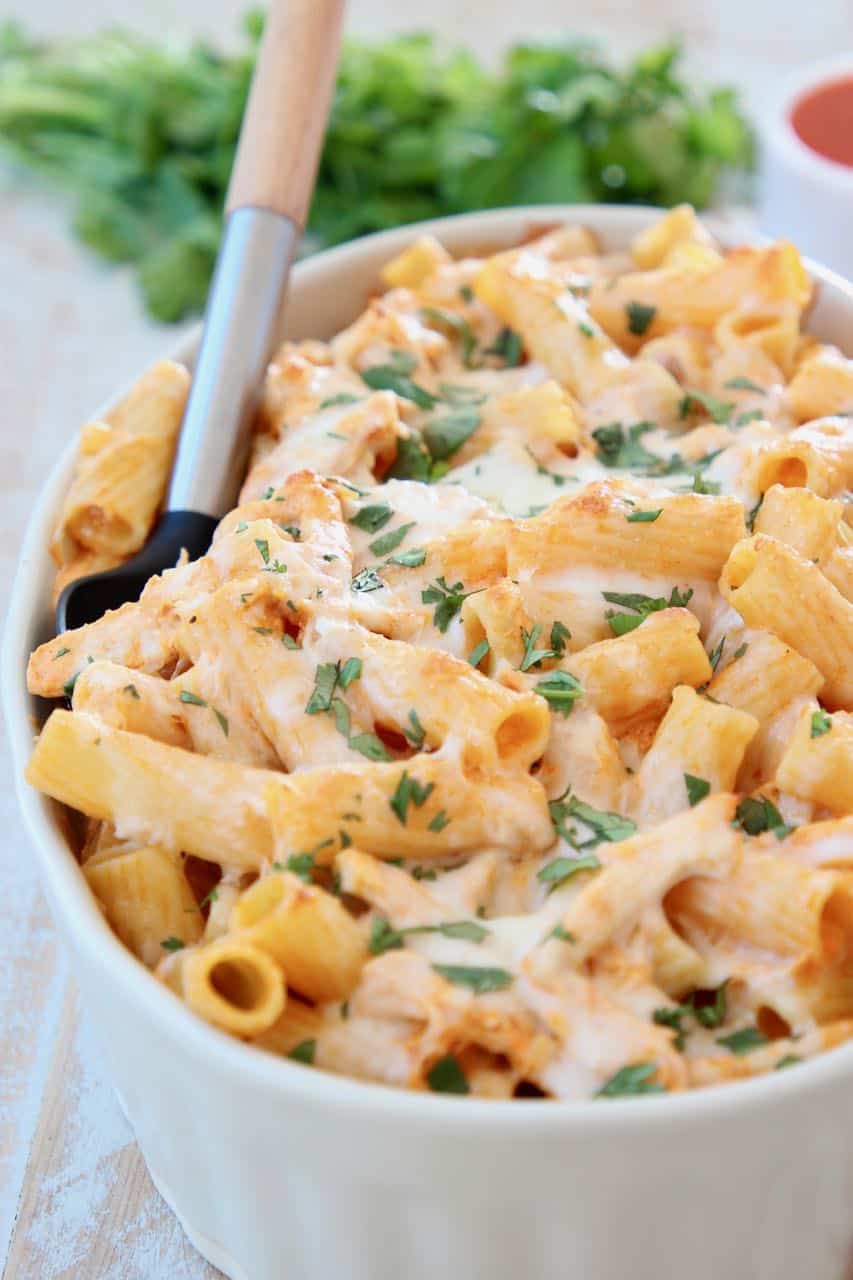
x,y
266,207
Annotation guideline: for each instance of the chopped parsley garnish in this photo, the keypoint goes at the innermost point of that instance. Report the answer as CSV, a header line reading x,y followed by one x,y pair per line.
x,y
192,698
620,448
221,720
640,316
264,548
671,1016
447,600
415,733
744,384
752,515
349,672
289,642
740,651
477,979
383,937
425,873
413,461
559,870
789,1060
641,606
304,1052
752,415
533,657
604,825
643,517
409,791
697,788
708,1012
507,345
446,1076
466,293
172,944
478,653
134,692
821,723
561,690
438,823
294,531
586,329
706,487
301,865
367,580
716,654
325,681
743,1041
394,376
343,397
446,436
718,410
411,559
369,746
459,327
60,653
390,541
630,1081
558,637
561,934
372,518
456,394
756,814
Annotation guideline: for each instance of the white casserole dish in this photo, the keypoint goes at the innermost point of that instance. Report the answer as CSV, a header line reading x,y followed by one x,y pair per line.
x,y
278,1170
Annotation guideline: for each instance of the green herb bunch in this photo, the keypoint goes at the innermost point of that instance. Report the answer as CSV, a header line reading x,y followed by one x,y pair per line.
x,y
142,134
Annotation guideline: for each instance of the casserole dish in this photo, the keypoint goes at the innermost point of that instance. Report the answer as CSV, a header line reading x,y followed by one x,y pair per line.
x,y
276,1170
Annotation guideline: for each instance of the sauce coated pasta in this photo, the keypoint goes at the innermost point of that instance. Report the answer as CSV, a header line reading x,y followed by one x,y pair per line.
x,y
501,744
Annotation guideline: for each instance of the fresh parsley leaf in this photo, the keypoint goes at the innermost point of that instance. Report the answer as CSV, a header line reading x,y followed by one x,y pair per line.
x,y
438,823
264,548
349,672
372,517
60,653
789,1060
640,316
458,326
448,600
343,720
642,606
192,698
415,733
718,410
559,870
304,1052
697,788
558,637
743,1041
409,791
478,979
411,559
446,436
172,944
132,690
507,346
394,376
301,865
391,540
756,814
533,657
561,934
367,580
643,517
604,825
413,461
672,1016
703,486
221,720
631,1080
740,651
325,682
383,937
620,448
752,515
716,654
457,394
343,397
478,653
751,415
586,329
709,1012
369,746
821,723
446,1076
561,690
744,384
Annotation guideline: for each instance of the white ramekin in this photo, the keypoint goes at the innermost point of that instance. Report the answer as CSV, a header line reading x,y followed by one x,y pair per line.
x,y
803,195
278,1170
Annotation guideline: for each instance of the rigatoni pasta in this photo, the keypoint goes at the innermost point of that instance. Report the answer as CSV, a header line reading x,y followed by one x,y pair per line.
x,y
501,742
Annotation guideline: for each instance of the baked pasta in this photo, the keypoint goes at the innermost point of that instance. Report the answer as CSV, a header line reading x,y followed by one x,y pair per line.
x,y
501,744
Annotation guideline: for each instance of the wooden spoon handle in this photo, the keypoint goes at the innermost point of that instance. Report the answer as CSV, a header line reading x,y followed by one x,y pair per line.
x,y
288,108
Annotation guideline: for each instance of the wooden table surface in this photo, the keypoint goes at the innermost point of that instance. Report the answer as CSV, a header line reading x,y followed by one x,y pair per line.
x,y
76,1202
